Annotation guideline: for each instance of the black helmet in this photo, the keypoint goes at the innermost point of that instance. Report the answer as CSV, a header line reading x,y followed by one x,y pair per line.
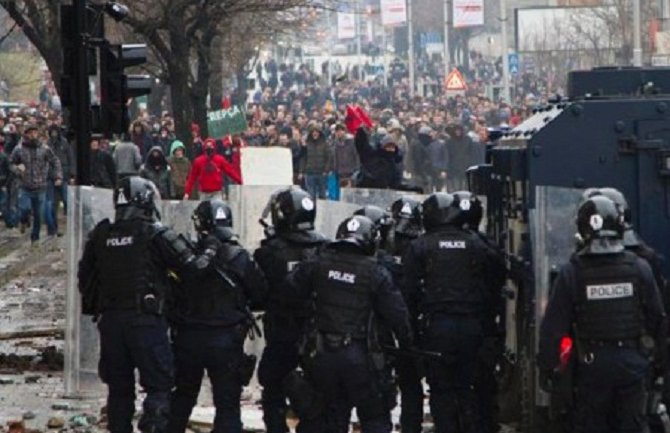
x,y
381,218
600,224
292,209
135,197
406,213
361,231
211,214
630,237
471,207
441,209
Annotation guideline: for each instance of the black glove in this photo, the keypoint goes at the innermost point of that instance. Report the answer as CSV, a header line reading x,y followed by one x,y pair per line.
x,y
211,244
406,341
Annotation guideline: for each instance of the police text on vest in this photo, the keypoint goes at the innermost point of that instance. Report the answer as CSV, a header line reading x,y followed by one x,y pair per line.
x,y
120,242
452,245
343,277
609,291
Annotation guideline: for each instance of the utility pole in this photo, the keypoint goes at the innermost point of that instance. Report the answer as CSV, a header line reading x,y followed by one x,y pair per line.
x,y
330,37
666,15
447,56
637,40
410,45
358,40
81,109
505,59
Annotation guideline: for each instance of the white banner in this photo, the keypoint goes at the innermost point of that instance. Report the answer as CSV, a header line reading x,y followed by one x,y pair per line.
x,y
468,13
394,12
346,25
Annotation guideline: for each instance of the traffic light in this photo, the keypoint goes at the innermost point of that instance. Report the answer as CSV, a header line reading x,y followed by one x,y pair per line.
x,y
117,87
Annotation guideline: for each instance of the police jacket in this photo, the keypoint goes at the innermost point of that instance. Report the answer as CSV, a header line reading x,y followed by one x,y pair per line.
x,y
598,300
445,270
126,263
224,294
277,256
347,287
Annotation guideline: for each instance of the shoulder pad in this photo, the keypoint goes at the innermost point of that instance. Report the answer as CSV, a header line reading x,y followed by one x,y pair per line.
x,y
157,228
230,251
307,237
103,224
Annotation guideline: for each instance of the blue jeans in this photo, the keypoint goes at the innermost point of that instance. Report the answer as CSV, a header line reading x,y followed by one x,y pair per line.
x,y
10,206
55,194
32,201
315,184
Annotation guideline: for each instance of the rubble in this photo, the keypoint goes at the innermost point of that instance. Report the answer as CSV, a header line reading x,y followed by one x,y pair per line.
x,y
56,422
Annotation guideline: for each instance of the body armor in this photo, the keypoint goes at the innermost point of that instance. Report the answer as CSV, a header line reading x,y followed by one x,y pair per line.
x,y
128,275
216,298
454,273
287,252
608,301
343,289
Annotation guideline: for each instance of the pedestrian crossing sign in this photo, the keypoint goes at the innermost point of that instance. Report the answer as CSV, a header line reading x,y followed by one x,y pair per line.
x,y
455,82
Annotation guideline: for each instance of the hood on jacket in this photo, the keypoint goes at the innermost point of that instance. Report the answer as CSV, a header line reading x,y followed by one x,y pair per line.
x,y
177,145
152,161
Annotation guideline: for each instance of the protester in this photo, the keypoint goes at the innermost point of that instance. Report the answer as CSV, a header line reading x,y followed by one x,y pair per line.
x,y
180,166
157,170
209,171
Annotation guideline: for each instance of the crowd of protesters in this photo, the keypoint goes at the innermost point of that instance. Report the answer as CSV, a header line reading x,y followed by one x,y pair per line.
x,y
422,143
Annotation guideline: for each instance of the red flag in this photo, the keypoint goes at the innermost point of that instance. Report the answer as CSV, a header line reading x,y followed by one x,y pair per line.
x,y
352,119
363,115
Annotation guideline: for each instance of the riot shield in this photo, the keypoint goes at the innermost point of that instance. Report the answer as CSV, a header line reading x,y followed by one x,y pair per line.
x,y
552,228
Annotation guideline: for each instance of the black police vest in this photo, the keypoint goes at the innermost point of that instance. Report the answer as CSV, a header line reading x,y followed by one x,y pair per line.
x,y
215,298
126,271
286,256
453,281
608,302
343,288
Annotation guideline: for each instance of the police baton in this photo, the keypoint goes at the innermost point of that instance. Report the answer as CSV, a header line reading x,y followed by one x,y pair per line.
x,y
413,352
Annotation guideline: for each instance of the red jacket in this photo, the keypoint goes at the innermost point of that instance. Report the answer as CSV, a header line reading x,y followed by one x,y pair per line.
x,y
209,173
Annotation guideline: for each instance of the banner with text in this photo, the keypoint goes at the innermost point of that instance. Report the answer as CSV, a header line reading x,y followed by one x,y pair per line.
x,y
394,12
468,13
226,122
346,25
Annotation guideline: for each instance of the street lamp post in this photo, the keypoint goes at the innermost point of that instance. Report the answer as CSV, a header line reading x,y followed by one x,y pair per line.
x,y
637,40
446,38
505,59
410,46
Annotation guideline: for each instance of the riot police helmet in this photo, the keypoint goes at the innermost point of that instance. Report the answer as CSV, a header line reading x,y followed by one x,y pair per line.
x,y
616,196
406,214
441,209
211,214
600,224
380,217
360,231
630,237
292,209
135,198
471,206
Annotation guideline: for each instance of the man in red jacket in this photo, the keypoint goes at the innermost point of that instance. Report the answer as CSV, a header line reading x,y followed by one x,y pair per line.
x,y
209,170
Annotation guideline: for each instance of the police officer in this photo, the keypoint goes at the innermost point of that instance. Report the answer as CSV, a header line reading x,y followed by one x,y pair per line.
x,y
632,241
348,286
123,279
486,385
444,269
606,300
406,215
211,317
289,240
406,212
